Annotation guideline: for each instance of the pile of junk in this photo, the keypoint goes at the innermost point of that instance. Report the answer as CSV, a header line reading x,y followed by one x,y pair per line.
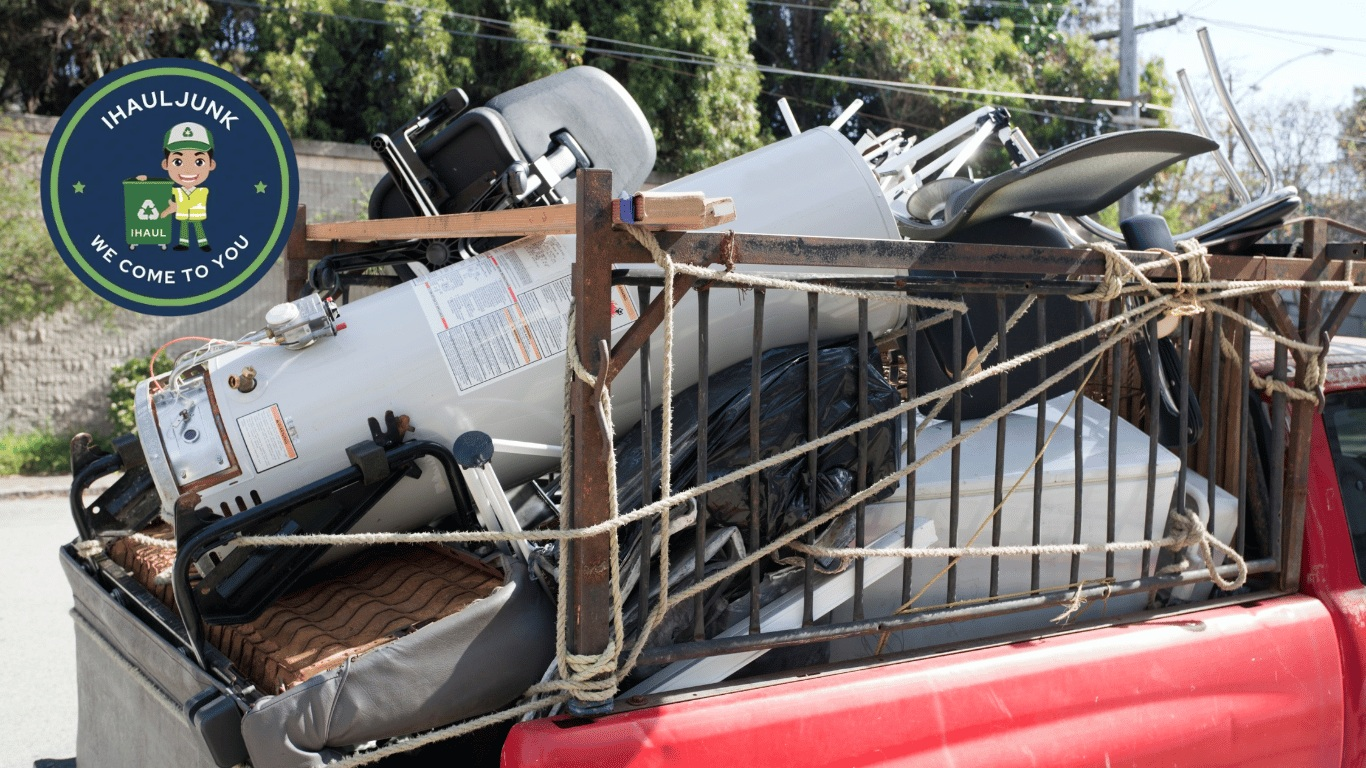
x,y
439,406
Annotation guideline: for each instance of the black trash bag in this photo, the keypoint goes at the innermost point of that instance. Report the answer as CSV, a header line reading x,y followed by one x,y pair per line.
x,y
783,490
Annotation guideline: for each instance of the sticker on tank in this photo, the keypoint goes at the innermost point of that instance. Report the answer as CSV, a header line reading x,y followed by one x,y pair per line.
x,y
267,438
506,309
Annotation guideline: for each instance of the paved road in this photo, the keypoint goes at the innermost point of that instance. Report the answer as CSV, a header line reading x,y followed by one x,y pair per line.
x,y
37,647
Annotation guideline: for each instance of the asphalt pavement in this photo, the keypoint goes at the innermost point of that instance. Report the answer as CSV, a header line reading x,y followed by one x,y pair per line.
x,y
37,644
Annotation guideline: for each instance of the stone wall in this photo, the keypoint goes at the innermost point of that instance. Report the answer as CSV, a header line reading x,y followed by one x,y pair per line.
x,y
54,372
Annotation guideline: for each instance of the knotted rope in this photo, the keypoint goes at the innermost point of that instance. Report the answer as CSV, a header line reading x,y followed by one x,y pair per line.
x,y
596,677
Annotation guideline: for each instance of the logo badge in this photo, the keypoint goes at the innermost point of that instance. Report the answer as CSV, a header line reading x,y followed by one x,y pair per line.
x,y
169,187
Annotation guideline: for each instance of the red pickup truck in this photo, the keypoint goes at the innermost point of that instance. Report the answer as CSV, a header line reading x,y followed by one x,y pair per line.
x,y
1173,672
1274,682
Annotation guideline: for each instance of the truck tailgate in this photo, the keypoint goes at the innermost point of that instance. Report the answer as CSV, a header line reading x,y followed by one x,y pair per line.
x,y
1249,685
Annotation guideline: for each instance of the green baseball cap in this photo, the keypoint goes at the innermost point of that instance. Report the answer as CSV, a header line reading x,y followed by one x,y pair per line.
x,y
188,136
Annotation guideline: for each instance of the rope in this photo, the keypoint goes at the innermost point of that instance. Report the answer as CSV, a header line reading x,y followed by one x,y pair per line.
x,y
589,677
1074,605
1120,269
597,677
89,548
1314,376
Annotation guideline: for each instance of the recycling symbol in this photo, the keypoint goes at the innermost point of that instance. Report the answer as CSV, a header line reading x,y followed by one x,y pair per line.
x,y
148,211
188,133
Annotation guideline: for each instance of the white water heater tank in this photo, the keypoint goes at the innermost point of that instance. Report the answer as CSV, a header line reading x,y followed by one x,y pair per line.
x,y
479,345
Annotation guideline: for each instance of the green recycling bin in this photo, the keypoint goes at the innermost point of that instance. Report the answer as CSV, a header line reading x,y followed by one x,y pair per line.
x,y
143,201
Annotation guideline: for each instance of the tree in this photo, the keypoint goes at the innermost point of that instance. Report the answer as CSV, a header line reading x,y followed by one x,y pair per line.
x,y
342,70
1036,47
55,48
1297,139
1352,141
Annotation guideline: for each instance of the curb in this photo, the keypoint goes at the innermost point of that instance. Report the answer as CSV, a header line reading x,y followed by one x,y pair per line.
x,y
18,487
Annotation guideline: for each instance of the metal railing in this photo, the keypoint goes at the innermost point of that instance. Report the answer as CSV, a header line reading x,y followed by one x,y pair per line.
x,y
1257,453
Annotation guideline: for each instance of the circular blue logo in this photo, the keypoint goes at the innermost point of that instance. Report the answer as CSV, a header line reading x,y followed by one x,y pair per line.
x,y
169,187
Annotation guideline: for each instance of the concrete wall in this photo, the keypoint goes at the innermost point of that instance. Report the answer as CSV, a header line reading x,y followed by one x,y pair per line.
x,y
54,372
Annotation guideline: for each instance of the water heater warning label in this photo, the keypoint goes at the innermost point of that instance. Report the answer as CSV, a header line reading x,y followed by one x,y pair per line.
x,y
506,309
267,438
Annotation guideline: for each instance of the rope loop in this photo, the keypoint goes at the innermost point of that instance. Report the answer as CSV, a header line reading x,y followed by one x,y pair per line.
x,y
596,677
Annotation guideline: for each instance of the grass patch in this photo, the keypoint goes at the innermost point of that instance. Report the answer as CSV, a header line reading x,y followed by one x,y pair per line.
x,y
34,453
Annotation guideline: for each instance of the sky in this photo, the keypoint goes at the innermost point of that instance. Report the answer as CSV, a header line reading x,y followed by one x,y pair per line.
x,y
1272,44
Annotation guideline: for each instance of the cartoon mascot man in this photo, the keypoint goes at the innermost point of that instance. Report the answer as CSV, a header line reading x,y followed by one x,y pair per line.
x,y
187,153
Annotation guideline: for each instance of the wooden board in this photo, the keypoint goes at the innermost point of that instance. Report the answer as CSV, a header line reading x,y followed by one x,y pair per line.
x,y
678,212
541,220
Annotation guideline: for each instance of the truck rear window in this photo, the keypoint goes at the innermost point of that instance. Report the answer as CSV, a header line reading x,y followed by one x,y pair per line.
x,y
1344,419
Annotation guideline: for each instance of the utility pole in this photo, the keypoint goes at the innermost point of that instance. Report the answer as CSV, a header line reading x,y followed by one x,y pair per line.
x,y
1128,85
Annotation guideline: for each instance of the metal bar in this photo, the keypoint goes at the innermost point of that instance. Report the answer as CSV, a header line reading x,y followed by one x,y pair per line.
x,y
861,442
1346,271
703,426
754,403
1235,183
1212,421
1341,310
1344,252
791,637
1302,414
907,572
1278,438
649,320
900,255
647,460
891,283
998,491
1221,91
1154,406
1112,443
1041,411
296,256
812,461
955,455
1183,412
587,560
1078,481
1244,425
1272,309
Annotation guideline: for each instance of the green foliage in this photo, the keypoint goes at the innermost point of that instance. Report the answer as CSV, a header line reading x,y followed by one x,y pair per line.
x,y
33,279
123,383
53,50
43,453
701,115
34,453
345,69
1033,47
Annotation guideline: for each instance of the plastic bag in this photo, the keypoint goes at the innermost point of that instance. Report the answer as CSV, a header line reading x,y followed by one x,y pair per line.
x,y
784,493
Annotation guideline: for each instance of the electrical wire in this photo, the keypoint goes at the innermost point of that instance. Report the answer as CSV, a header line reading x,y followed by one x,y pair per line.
x,y
1276,30
1271,35
685,57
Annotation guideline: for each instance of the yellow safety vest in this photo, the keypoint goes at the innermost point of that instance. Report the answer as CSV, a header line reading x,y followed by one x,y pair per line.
x,y
191,206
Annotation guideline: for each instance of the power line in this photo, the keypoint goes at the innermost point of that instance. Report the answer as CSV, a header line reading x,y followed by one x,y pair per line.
x,y
1279,31
685,57
1262,32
